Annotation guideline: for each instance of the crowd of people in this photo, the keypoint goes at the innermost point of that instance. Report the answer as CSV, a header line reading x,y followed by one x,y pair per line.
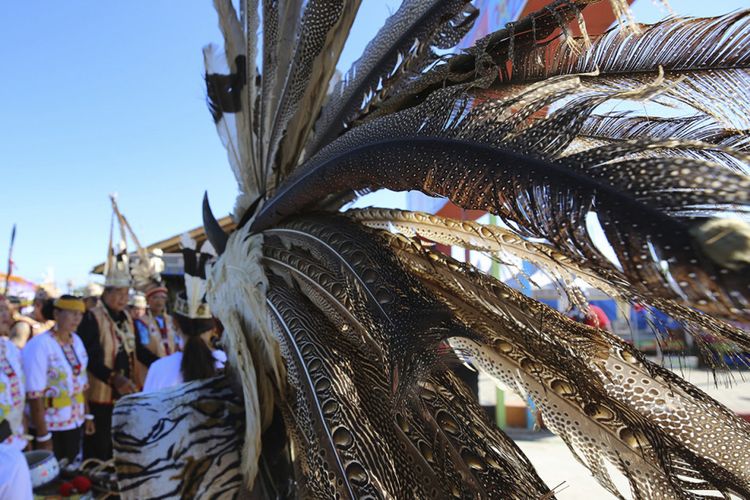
x,y
65,363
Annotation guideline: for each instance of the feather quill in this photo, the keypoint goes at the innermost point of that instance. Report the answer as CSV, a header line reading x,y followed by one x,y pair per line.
x,y
323,30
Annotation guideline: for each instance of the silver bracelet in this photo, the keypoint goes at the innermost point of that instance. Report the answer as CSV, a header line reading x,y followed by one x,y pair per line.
x,y
43,439
88,416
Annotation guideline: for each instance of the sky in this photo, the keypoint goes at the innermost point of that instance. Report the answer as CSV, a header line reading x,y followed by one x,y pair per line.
x,y
104,97
107,96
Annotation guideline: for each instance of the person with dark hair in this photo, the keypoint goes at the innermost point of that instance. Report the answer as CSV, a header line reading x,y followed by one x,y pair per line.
x,y
48,309
198,360
26,327
114,349
157,327
56,381
109,335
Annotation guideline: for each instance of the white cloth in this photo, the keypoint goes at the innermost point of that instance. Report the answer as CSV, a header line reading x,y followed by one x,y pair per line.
x,y
15,478
12,392
50,375
165,372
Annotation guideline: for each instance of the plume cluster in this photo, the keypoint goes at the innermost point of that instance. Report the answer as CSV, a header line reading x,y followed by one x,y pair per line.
x,y
342,325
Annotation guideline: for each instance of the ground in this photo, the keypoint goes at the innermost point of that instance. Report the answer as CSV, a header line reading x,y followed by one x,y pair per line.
x,y
556,465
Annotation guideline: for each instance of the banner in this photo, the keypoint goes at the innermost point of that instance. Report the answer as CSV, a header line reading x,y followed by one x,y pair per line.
x,y
18,286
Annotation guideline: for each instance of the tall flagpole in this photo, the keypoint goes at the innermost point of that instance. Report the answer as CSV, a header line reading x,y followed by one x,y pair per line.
x,y
10,259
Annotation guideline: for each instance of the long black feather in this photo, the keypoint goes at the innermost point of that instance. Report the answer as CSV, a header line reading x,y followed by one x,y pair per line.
x,y
400,46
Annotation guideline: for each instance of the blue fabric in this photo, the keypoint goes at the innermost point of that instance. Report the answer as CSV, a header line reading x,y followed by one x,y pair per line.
x,y
639,319
664,321
609,307
550,302
142,331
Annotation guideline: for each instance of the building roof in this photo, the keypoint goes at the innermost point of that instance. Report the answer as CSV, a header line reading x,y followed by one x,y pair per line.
x,y
172,244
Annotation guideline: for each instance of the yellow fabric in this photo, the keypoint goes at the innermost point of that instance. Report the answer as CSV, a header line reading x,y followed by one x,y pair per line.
x,y
64,401
75,305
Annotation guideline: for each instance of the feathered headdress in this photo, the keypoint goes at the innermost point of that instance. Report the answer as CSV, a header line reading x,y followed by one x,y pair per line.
x,y
147,269
335,319
191,308
117,265
144,271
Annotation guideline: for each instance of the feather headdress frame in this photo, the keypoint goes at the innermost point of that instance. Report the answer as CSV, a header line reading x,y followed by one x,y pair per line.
x,y
117,265
143,271
192,304
345,318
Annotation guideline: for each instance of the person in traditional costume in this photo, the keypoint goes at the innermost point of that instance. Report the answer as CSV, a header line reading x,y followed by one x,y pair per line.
x,y
56,382
15,478
333,317
12,385
137,308
198,359
91,295
113,349
25,327
156,327
166,464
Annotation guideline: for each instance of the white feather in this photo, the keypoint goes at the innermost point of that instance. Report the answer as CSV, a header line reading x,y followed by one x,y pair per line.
x,y
208,248
237,288
186,241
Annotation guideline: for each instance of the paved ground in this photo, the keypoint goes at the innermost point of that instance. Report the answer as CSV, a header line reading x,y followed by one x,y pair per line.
x,y
732,389
555,464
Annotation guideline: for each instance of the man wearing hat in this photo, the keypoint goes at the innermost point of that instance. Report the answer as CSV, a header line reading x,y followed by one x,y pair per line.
x,y
113,349
137,309
54,365
91,295
156,327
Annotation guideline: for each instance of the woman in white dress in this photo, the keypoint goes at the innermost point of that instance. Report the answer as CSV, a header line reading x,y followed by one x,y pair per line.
x,y
15,479
198,360
12,384
56,382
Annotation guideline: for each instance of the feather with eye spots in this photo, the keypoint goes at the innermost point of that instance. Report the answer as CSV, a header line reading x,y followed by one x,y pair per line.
x,y
630,412
403,44
336,326
517,172
563,269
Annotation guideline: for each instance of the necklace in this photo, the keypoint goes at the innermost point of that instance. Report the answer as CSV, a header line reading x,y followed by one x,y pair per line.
x,y
70,354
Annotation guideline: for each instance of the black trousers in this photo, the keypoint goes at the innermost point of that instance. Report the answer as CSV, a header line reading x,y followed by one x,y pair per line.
x,y
99,444
65,444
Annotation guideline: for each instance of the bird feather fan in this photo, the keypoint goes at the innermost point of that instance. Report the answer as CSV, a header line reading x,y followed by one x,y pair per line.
x,y
335,326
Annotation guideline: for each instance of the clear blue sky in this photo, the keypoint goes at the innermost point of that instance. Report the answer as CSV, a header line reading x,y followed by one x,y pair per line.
x,y
107,96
